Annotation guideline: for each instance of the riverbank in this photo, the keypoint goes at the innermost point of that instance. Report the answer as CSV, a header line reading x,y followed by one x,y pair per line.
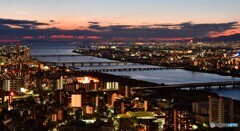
x,y
212,72
123,80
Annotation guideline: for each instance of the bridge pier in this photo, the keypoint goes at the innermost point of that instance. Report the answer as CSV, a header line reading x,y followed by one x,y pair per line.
x,y
236,86
193,88
196,86
222,87
207,87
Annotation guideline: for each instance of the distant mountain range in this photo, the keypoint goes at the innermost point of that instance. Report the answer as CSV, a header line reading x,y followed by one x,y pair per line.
x,y
234,37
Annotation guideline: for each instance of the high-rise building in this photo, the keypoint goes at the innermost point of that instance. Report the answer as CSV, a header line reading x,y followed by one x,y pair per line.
x,y
6,85
89,110
118,107
60,83
121,106
200,107
200,111
124,91
221,110
178,119
113,98
58,96
96,101
17,83
145,105
76,100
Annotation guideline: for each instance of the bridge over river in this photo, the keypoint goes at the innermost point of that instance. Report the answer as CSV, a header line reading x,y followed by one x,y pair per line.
x,y
195,86
190,86
55,55
107,66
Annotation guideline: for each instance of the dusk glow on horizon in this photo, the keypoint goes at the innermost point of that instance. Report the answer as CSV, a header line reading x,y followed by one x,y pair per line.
x,y
117,20
119,65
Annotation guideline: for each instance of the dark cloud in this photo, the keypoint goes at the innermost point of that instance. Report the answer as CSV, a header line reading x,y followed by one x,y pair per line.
x,y
112,32
97,27
94,22
182,30
119,27
54,22
210,26
21,23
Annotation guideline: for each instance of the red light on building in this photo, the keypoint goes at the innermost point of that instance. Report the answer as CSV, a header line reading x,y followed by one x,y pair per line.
x,y
11,94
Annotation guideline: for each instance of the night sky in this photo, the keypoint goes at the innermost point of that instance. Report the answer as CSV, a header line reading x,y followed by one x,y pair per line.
x,y
107,20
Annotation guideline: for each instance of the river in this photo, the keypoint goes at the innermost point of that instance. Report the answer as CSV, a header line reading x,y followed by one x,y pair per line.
x,y
173,76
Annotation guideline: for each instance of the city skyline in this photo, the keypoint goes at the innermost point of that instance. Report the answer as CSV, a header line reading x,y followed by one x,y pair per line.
x,y
105,65
117,20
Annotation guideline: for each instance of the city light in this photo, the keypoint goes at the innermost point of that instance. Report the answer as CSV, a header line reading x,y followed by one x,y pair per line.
x,y
148,65
11,93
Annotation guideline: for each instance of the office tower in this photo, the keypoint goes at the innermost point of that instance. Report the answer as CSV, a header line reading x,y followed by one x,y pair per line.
x,y
177,119
60,83
6,85
221,110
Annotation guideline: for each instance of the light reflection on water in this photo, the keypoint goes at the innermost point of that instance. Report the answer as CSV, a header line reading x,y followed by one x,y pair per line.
x,y
175,76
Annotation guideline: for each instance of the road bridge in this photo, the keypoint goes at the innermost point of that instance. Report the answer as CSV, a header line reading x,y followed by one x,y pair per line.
x,y
87,63
195,86
56,55
130,68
